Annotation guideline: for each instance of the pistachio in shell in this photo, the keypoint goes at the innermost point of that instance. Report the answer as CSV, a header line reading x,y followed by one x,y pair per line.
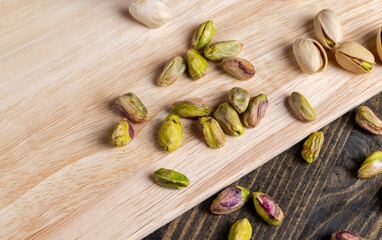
x,y
328,28
379,43
211,132
310,55
203,35
197,65
239,99
354,57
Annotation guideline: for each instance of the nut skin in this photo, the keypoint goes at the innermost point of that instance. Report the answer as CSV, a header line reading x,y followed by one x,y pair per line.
x,y
203,35
171,133
371,166
238,68
256,111
171,179
219,50
197,65
328,28
229,200
368,120
354,57
239,99
191,108
310,55
152,13
123,133
131,107
345,235
312,146
171,71
301,107
240,230
379,43
210,132
267,208
229,119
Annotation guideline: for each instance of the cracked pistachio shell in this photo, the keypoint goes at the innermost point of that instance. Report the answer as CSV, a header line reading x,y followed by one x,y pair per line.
x,y
203,35
131,107
328,28
310,55
219,50
267,208
379,43
229,119
239,99
372,165
240,230
301,107
171,71
211,132
152,13
230,199
255,112
197,65
312,146
354,57
191,108
171,179
171,133
238,68
368,120
345,235
122,134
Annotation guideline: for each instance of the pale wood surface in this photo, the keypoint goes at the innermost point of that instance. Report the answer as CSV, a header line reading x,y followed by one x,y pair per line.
x,y
63,63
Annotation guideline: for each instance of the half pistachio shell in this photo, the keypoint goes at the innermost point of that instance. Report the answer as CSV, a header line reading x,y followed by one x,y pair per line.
x,y
372,165
310,55
328,28
379,43
354,57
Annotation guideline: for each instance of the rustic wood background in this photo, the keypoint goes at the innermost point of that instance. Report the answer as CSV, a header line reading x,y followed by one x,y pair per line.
x,y
318,198
63,64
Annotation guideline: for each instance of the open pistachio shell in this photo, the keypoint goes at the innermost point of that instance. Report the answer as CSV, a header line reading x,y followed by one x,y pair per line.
x,y
379,43
310,55
328,28
354,57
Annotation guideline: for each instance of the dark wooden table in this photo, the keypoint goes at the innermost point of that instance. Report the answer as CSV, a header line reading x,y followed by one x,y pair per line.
x,y
317,198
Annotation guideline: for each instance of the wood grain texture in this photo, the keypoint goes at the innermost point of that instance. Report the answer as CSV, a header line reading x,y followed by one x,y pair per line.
x,y
62,65
318,198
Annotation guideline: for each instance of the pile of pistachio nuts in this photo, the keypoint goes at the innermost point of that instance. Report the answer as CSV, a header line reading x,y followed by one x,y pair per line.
x,y
241,109
312,58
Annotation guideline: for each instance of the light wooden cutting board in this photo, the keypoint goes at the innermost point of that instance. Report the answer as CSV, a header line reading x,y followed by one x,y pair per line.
x,y
63,64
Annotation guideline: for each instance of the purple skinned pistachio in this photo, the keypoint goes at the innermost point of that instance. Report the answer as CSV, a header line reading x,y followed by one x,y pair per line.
x,y
345,235
267,208
229,200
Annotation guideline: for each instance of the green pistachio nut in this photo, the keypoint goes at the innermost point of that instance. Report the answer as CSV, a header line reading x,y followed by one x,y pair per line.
x,y
229,200
312,146
219,50
211,132
229,119
372,165
301,107
122,134
368,120
239,99
238,68
131,107
240,230
171,71
345,235
256,110
197,65
171,179
267,208
191,108
203,35
171,133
